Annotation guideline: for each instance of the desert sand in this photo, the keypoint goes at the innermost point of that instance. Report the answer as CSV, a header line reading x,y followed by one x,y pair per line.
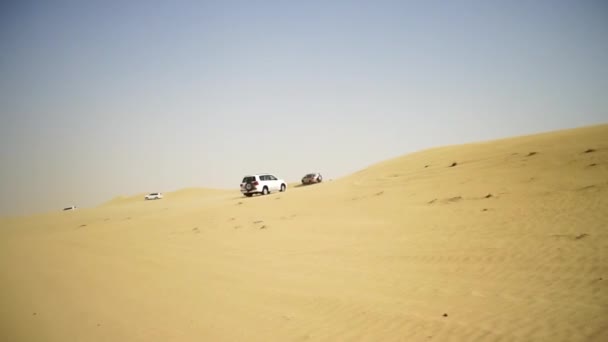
x,y
504,240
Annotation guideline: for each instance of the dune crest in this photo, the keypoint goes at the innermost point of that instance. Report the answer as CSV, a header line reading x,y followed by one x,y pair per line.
x,y
181,193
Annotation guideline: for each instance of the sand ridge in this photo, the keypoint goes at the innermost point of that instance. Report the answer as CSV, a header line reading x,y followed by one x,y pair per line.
x,y
503,240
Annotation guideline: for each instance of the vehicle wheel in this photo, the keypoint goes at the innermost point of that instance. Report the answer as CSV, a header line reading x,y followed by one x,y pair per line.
x,y
248,195
283,187
265,191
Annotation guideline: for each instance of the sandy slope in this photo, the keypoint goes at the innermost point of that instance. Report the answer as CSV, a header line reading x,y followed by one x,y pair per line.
x,y
508,245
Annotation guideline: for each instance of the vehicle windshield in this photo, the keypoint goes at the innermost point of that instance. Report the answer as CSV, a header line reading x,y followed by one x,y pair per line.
x,y
154,194
310,175
249,179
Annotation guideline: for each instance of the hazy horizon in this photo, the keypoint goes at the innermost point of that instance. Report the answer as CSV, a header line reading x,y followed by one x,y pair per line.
x,y
102,99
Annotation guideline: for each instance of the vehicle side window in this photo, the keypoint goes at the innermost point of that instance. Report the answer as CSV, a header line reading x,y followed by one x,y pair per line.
x,y
272,177
263,178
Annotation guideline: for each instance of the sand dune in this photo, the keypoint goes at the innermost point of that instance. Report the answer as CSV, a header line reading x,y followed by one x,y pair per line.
x,y
497,241
179,194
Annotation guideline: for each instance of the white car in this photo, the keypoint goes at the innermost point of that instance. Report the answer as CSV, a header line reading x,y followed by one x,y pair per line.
x,y
154,196
262,184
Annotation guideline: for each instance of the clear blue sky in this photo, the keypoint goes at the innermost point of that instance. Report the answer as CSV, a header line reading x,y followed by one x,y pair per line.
x,y
107,98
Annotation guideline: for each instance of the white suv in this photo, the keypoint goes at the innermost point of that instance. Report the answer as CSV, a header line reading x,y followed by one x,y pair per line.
x,y
154,196
261,184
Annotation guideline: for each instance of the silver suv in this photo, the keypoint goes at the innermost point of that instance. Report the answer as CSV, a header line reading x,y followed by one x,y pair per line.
x,y
261,184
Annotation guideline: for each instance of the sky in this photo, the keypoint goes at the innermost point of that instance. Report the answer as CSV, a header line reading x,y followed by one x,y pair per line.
x,y
100,99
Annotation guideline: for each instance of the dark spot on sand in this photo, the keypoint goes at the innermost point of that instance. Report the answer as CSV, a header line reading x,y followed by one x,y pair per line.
x,y
34,314
589,150
571,237
531,154
239,203
432,201
454,199
592,165
263,227
379,193
445,315
259,221
488,196
588,187
83,225
453,164
195,229
425,166
484,209
237,227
